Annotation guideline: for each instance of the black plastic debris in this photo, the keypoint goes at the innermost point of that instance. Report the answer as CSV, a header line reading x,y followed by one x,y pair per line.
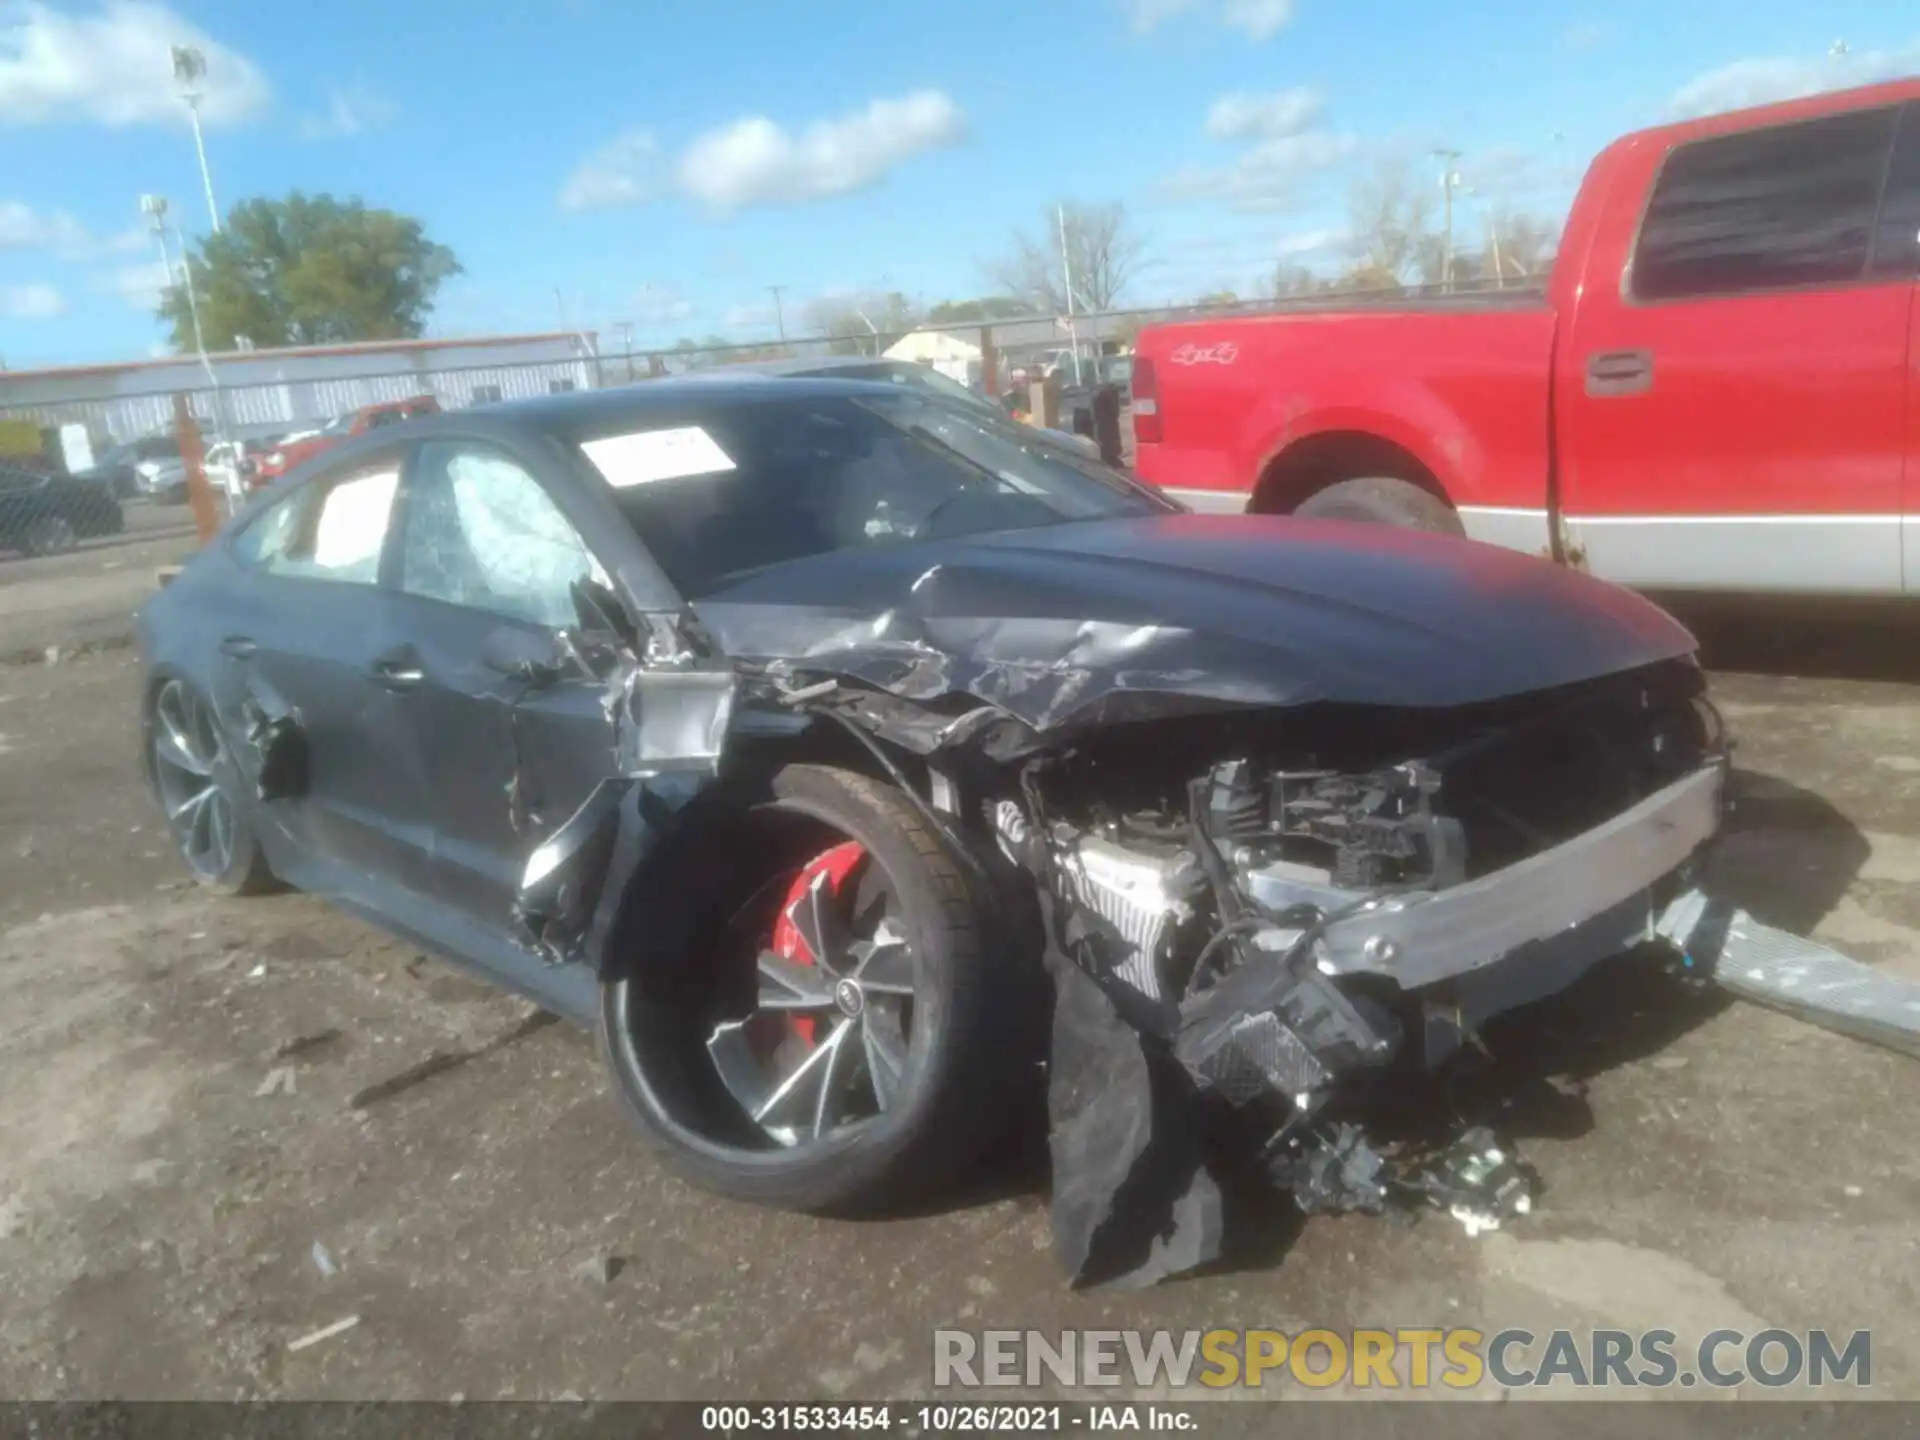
x,y
1134,1200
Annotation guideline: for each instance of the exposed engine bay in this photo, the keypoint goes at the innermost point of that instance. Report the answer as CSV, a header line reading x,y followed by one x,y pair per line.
x,y
1282,911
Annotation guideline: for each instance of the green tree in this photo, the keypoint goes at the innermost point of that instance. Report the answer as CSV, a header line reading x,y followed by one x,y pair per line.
x,y
310,270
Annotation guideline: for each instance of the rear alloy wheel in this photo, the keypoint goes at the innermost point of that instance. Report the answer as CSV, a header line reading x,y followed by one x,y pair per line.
x,y
51,535
837,1041
199,790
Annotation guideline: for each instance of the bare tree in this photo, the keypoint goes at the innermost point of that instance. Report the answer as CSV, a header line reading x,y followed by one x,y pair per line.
x,y
1103,250
1389,224
863,323
1526,245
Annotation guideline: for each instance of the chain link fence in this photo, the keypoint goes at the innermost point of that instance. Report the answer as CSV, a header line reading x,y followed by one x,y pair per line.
x,y
99,471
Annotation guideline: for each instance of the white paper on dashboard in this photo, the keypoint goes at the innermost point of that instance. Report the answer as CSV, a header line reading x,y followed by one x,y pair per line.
x,y
650,455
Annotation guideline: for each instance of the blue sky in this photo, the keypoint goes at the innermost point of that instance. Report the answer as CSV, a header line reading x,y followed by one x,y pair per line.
x,y
660,163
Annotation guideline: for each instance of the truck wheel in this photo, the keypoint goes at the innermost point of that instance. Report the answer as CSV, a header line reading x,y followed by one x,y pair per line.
x,y
842,1036
1382,500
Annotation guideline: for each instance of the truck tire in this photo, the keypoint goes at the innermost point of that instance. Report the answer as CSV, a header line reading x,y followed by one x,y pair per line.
x,y
1382,500
961,1067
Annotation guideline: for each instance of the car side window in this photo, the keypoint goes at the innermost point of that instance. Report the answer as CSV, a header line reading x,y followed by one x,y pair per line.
x,y
1768,209
331,530
481,532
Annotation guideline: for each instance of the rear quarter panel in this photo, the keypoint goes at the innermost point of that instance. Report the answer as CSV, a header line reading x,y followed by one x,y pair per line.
x,y
1463,392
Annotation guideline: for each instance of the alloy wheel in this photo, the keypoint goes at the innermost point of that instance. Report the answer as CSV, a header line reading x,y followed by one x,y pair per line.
x,y
186,752
826,1047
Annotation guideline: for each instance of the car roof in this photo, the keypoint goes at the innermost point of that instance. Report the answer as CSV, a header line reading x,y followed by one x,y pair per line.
x,y
822,365
584,412
587,414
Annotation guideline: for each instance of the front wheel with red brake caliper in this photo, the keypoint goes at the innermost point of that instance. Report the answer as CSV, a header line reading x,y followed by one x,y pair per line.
x,y
841,1036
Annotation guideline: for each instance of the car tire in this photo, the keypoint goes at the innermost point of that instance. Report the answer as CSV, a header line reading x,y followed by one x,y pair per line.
x,y
50,535
971,992
226,858
1383,500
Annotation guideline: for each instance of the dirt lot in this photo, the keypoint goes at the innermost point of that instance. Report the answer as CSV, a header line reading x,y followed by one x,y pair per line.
x,y
178,1132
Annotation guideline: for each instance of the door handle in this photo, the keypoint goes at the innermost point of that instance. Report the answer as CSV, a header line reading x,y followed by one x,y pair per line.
x,y
1612,373
239,647
397,672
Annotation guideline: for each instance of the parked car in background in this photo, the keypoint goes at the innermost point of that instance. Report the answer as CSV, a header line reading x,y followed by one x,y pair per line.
x,y
908,373
162,480
231,464
117,467
291,451
45,514
1716,392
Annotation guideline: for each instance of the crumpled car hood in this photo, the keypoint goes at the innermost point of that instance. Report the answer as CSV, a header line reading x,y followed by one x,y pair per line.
x,y
1104,621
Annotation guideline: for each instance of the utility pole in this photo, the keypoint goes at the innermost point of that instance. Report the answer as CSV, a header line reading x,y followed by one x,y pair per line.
x,y
1066,275
624,329
189,68
1449,179
779,315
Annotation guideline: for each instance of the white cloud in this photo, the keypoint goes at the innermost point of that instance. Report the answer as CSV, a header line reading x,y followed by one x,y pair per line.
x,y
1310,242
1286,146
1241,116
1256,19
758,316
658,305
754,161
138,285
625,171
108,64
1763,81
31,302
1147,16
349,112
22,227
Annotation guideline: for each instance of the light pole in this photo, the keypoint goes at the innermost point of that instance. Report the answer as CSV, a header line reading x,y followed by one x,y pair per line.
x,y
779,315
189,69
154,207
1449,179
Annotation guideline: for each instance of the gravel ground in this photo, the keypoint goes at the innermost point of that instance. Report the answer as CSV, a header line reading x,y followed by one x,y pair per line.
x,y
182,1154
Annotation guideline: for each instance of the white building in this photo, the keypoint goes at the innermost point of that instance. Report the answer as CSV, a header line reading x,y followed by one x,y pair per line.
x,y
252,391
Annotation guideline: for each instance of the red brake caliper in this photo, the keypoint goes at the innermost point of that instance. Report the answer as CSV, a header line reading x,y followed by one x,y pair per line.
x,y
838,865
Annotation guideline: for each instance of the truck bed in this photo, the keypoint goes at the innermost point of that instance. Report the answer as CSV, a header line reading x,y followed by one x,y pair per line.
x,y
1458,384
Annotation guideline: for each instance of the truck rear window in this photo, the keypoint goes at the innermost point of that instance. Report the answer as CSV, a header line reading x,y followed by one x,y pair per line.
x,y
1765,209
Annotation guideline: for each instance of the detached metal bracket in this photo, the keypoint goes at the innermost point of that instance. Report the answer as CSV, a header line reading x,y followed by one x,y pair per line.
x,y
1794,975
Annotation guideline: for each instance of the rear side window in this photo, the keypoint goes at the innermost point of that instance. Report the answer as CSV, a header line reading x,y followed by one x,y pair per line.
x,y
332,531
1766,209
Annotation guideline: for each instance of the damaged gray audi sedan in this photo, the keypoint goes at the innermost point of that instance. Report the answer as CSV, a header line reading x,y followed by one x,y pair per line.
x,y
851,761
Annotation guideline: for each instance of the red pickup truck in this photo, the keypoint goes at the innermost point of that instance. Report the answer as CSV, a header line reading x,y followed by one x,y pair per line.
x,y
1719,389
290,453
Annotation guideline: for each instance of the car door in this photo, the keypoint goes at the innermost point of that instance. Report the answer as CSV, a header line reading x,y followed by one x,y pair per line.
x,y
485,563
1733,414
311,636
